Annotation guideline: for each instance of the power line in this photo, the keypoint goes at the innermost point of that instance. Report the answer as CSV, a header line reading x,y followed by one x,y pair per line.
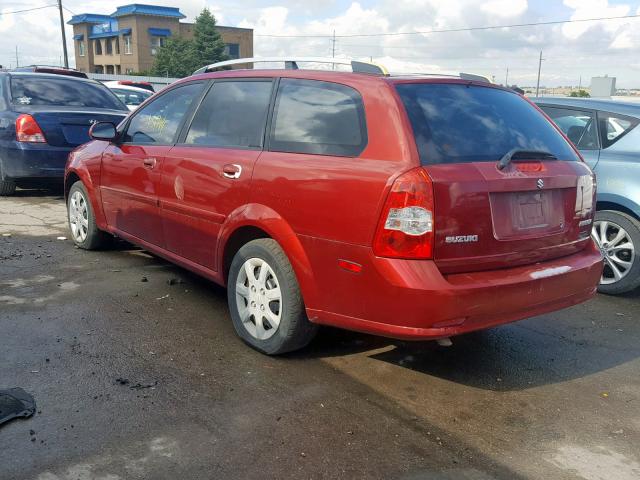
x,y
28,9
450,30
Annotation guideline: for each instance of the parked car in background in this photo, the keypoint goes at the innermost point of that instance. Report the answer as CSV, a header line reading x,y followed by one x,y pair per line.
x,y
415,208
71,72
132,97
131,83
607,133
42,118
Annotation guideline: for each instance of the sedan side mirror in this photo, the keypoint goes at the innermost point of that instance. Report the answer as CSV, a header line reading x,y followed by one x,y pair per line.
x,y
103,131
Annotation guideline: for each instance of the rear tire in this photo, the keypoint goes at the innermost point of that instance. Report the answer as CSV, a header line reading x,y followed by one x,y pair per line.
x,y
265,302
618,236
82,221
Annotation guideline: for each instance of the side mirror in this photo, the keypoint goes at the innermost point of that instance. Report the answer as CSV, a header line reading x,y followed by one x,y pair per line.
x,y
103,131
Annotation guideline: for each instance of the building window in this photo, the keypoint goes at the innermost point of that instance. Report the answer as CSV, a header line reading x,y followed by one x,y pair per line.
x,y
110,69
128,71
156,43
117,42
81,50
127,44
97,47
232,50
108,46
99,69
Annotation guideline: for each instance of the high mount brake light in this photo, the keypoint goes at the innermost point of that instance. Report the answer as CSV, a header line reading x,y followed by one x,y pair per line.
x,y
405,228
28,130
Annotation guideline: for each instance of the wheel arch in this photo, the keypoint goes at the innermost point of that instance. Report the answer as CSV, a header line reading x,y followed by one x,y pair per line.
x,y
255,221
619,204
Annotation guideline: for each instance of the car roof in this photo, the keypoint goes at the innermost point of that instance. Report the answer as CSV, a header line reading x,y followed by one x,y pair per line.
x,y
50,76
613,106
114,85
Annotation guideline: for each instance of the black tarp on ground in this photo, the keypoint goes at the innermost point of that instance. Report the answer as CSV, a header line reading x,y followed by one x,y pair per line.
x,y
15,402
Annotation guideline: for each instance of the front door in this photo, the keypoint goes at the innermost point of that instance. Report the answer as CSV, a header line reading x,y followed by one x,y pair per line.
x,y
131,169
207,175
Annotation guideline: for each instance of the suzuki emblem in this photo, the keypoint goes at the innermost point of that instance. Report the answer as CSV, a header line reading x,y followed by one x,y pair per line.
x,y
540,184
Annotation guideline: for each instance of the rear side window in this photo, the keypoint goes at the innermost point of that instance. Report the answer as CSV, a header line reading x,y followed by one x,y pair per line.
x,y
457,123
578,125
62,92
318,117
158,121
613,127
233,114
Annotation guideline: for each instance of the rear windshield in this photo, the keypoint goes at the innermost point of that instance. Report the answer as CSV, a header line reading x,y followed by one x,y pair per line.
x,y
457,123
61,92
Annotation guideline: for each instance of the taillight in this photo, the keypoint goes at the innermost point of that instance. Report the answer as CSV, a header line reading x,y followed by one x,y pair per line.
x,y
28,130
405,229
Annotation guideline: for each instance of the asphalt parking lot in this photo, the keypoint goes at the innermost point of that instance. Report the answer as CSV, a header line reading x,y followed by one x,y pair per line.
x,y
137,373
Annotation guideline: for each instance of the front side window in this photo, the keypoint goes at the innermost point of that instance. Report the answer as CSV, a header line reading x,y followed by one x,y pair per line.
x,y
233,114
127,44
158,122
27,90
578,125
459,123
613,127
318,117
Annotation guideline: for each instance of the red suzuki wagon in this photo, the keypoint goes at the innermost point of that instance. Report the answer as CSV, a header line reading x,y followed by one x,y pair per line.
x,y
414,208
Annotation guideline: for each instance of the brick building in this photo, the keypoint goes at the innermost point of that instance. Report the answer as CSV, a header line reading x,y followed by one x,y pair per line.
x,y
127,40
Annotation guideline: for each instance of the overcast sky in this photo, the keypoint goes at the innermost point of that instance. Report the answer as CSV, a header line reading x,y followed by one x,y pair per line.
x,y
570,50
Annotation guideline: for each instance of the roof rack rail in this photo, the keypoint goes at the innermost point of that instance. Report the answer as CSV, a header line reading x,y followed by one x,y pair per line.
x,y
291,63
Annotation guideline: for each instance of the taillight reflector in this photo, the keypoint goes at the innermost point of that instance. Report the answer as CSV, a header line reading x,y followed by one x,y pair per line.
x,y
405,229
28,130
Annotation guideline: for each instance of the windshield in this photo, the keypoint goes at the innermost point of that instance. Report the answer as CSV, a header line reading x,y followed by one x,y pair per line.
x,y
62,92
457,123
131,97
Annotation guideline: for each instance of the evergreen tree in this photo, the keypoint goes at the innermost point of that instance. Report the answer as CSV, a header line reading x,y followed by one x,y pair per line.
x,y
176,58
208,44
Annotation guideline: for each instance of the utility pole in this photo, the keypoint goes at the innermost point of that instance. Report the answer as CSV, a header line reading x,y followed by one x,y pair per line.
x,y
17,62
64,36
539,67
333,49
506,78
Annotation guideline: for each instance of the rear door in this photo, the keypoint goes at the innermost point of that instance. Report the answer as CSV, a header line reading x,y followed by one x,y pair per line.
x,y
208,173
534,209
130,176
580,126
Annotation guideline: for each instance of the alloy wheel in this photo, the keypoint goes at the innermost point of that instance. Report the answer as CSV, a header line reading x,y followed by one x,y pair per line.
x,y
617,249
78,216
259,298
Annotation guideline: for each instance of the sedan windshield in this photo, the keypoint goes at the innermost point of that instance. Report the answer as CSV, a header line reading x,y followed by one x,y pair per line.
x,y
62,92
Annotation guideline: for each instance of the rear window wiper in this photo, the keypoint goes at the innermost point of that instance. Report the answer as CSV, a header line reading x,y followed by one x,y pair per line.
x,y
517,152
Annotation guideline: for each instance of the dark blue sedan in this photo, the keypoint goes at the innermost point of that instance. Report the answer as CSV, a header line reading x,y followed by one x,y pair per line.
x,y
42,118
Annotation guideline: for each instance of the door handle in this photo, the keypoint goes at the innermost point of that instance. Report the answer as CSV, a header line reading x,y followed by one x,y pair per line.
x,y
149,162
232,170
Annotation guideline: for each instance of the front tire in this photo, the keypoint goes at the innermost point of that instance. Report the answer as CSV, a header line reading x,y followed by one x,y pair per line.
x,y
618,237
82,221
265,302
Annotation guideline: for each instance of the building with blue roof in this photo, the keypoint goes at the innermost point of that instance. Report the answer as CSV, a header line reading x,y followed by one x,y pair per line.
x,y
127,40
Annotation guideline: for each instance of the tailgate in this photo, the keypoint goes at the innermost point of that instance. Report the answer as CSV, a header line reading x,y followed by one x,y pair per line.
x,y
487,218
68,128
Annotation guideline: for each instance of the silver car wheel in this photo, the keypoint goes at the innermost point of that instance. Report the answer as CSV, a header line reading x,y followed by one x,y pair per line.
x,y
617,249
259,298
78,216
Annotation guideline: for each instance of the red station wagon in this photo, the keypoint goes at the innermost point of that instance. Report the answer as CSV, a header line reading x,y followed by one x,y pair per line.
x,y
410,207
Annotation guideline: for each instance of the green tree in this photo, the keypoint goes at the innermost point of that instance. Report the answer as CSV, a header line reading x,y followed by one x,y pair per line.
x,y
208,44
180,57
580,93
176,58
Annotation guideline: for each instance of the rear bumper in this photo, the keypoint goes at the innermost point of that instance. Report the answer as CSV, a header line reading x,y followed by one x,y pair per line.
x,y
33,161
411,300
